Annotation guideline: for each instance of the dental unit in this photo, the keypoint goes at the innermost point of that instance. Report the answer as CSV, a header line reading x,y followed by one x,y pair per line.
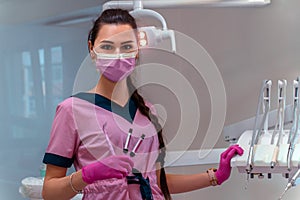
x,y
272,148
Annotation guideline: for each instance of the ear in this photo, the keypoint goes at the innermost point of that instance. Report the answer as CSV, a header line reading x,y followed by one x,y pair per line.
x,y
91,47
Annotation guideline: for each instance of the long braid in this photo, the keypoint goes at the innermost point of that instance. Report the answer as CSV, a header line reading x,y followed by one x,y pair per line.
x,y
139,101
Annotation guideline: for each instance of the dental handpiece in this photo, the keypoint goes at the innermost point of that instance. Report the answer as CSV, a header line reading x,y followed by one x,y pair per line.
x,y
249,166
290,155
263,123
291,183
281,109
294,130
292,144
266,108
275,152
266,86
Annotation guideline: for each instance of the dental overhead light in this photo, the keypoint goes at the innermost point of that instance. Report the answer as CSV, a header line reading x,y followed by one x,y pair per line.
x,y
150,36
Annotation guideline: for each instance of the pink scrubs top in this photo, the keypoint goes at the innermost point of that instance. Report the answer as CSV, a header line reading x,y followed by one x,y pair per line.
x,y
90,127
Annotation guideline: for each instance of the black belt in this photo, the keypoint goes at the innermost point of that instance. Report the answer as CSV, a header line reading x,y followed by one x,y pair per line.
x,y
145,187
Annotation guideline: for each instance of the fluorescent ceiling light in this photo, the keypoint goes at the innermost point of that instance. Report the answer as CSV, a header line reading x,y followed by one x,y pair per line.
x,y
187,3
72,21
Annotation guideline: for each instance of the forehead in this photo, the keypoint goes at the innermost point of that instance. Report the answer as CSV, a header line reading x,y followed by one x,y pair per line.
x,y
115,32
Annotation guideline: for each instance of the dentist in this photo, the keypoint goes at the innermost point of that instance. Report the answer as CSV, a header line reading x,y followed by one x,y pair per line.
x,y
111,133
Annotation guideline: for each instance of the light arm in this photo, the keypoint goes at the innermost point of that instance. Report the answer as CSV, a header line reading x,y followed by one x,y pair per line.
x,y
178,183
57,184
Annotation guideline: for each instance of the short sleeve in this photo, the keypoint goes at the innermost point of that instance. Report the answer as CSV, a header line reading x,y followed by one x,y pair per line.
x,y
63,137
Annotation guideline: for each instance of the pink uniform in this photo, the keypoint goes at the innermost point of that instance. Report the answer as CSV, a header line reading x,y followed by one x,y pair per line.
x,y
91,127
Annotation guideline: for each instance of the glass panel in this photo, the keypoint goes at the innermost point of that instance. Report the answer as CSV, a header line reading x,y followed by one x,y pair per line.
x,y
32,82
57,74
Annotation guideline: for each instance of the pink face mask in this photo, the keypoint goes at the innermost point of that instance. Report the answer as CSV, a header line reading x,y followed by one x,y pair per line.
x,y
116,67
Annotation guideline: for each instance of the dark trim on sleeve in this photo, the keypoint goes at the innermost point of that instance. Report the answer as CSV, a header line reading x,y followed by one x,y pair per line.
x,y
57,160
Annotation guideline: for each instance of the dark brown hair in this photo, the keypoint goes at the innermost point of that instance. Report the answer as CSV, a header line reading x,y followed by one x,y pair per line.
x,y
119,16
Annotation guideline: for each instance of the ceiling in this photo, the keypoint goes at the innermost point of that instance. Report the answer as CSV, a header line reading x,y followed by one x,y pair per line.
x,y
18,12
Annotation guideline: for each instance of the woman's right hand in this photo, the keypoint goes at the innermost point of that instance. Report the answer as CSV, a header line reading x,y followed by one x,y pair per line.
x,y
110,167
223,173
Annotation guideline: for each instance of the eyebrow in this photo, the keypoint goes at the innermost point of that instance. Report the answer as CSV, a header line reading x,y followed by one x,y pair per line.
x,y
110,42
130,41
106,41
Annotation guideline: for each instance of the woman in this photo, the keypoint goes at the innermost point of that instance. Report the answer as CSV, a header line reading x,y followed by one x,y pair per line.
x,y
110,133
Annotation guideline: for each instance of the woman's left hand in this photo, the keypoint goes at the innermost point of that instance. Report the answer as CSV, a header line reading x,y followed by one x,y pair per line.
x,y
223,173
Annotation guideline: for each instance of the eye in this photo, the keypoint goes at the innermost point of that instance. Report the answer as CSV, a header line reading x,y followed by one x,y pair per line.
x,y
106,47
127,47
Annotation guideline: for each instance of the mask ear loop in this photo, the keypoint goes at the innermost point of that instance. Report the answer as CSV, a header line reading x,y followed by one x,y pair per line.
x,y
138,38
137,57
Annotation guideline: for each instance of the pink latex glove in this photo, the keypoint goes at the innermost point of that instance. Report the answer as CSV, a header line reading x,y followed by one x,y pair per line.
x,y
110,167
223,173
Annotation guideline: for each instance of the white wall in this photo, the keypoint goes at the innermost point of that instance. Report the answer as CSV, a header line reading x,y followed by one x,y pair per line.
x,y
247,44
